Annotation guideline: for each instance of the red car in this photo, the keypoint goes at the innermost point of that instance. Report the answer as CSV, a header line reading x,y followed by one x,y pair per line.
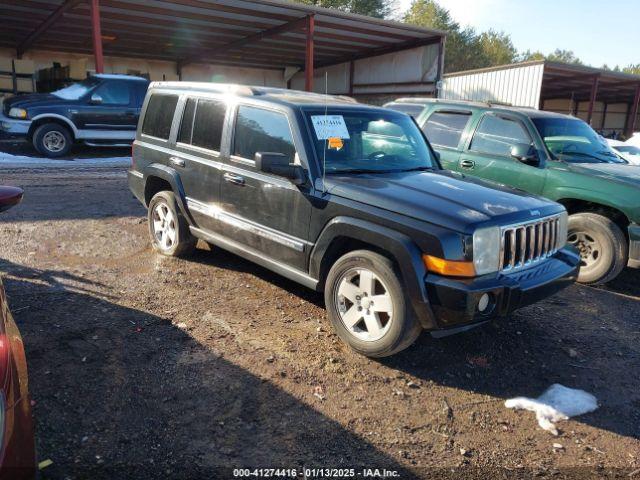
x,y
17,446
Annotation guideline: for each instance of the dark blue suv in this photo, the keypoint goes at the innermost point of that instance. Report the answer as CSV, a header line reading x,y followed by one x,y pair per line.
x,y
101,110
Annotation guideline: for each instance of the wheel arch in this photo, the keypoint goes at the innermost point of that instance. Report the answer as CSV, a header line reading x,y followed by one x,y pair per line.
x,y
159,177
44,118
574,206
345,234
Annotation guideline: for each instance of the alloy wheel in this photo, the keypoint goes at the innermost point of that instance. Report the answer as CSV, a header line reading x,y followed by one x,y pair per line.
x,y
164,226
364,304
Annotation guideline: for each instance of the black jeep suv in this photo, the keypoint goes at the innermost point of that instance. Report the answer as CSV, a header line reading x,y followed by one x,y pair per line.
x,y
101,110
344,198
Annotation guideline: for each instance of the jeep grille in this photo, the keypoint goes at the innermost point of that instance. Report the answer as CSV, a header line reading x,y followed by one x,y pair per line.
x,y
527,243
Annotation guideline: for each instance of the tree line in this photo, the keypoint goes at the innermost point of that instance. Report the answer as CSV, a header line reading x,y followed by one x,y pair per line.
x,y
467,49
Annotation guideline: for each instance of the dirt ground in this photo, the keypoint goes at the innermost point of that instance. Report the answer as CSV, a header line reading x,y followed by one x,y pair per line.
x,y
147,367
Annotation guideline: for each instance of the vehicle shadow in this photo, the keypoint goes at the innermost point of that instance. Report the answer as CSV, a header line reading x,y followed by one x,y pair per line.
x,y
121,393
627,283
582,338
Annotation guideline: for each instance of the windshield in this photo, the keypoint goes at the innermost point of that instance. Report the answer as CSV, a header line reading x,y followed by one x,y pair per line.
x,y
572,140
76,91
368,142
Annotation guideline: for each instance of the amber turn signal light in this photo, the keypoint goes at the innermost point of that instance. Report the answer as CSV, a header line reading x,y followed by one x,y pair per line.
x,y
450,268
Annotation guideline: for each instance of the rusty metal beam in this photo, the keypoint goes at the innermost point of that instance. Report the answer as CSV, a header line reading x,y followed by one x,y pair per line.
x,y
309,54
634,113
97,36
592,98
44,26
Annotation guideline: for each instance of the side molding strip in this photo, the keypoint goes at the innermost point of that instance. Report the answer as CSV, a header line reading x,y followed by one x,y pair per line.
x,y
237,222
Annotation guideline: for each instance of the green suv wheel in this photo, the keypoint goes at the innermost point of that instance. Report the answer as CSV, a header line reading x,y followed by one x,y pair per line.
x,y
602,245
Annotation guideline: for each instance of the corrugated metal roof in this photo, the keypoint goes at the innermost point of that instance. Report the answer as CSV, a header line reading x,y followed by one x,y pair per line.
x,y
526,83
206,31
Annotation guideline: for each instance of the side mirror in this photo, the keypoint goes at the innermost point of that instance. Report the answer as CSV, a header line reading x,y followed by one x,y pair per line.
x,y
96,99
278,164
524,153
9,197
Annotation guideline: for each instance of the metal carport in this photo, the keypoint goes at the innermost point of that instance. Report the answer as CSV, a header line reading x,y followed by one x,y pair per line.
x,y
265,34
605,99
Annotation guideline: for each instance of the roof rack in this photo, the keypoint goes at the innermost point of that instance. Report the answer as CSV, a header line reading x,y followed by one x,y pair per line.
x,y
244,90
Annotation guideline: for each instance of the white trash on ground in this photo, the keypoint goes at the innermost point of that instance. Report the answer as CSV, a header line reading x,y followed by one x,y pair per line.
x,y
556,403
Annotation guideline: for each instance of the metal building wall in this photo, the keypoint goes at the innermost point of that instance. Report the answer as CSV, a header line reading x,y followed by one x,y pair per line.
x,y
520,86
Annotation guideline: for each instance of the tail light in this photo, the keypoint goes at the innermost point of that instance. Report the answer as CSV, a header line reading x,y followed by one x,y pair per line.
x,y
133,161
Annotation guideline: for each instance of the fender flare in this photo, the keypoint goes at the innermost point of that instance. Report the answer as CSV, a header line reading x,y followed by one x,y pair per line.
x,y
171,176
403,250
44,116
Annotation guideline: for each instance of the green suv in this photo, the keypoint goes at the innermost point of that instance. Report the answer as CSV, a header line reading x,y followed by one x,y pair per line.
x,y
553,155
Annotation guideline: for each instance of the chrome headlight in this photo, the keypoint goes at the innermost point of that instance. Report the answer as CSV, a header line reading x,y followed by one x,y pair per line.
x,y
563,229
18,112
486,250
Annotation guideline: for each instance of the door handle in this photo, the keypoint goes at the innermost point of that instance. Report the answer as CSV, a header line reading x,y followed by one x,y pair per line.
x,y
178,162
233,178
467,164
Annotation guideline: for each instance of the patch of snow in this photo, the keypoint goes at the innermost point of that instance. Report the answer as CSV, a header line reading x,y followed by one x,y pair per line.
x,y
555,404
8,160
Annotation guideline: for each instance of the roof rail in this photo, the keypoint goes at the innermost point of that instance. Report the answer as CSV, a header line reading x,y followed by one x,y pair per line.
x,y
208,86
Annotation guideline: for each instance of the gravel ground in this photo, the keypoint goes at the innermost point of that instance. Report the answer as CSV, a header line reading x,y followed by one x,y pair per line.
x,y
147,367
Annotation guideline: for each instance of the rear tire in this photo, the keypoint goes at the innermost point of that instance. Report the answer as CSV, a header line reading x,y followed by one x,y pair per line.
x,y
52,140
603,247
367,307
168,229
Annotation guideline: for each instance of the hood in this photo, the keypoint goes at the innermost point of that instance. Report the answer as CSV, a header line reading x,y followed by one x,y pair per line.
x,y
627,174
32,100
444,198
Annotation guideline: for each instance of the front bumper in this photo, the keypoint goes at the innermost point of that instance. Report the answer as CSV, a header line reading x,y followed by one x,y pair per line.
x,y
634,245
455,301
14,126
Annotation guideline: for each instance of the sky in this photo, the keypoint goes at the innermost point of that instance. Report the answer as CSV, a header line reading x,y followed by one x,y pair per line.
x,y
598,32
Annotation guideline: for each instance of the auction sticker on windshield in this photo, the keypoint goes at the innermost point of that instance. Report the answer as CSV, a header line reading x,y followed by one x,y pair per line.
x,y
329,126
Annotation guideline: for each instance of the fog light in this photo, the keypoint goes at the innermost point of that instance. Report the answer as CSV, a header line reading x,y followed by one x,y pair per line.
x,y
484,303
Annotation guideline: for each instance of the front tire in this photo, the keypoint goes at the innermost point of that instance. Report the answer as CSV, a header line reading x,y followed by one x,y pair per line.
x,y
367,307
603,247
168,229
52,140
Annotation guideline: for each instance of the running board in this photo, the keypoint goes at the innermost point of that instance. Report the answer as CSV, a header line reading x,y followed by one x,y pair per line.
x,y
256,257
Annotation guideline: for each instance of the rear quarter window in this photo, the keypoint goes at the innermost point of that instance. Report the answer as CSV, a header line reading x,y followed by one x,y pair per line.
x,y
446,128
159,115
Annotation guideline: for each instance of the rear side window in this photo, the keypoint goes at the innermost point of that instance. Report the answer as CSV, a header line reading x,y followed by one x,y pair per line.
x,y
496,135
202,123
186,126
208,124
159,115
259,130
445,128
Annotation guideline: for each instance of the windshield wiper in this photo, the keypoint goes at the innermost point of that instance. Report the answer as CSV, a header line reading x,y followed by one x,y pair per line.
x,y
417,169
